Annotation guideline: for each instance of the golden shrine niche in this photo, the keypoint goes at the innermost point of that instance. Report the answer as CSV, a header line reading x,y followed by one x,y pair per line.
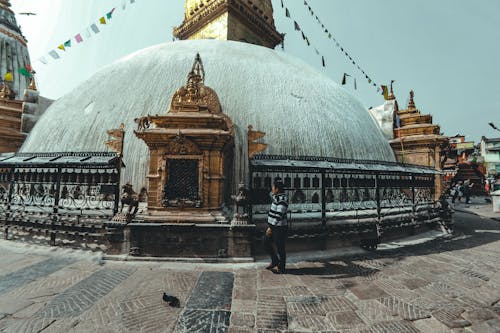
x,y
191,151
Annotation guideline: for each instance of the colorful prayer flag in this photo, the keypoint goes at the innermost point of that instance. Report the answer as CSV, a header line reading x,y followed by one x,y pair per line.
x,y
79,38
67,43
24,72
110,14
281,3
102,20
287,12
8,77
54,54
29,68
94,28
132,1
344,78
355,86
385,92
43,60
323,61
87,33
296,25
61,47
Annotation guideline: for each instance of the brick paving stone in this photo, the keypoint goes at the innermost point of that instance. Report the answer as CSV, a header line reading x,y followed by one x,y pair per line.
x,y
31,273
451,317
475,274
414,283
305,305
368,291
345,320
83,295
201,321
271,313
242,319
441,288
213,291
396,289
241,305
465,281
372,311
324,285
478,315
393,327
308,323
431,325
490,326
405,310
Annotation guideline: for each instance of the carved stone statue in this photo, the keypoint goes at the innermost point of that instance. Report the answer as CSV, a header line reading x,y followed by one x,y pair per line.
x,y
131,198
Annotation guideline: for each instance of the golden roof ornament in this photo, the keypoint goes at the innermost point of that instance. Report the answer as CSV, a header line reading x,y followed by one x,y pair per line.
x,y
5,92
195,96
32,85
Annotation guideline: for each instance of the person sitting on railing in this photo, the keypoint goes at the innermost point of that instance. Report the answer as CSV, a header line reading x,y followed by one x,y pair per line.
x,y
277,228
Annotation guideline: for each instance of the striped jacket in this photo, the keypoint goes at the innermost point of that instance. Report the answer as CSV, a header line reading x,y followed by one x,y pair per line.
x,y
279,207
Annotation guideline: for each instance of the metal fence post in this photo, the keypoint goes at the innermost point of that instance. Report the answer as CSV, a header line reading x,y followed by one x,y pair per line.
x,y
413,202
55,209
379,208
9,199
117,186
323,199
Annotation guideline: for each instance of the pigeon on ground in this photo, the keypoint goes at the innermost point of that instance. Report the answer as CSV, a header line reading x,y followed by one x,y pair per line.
x,y
171,300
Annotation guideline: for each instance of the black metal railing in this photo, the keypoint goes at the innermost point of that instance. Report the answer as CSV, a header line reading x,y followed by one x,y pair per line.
x,y
48,191
328,189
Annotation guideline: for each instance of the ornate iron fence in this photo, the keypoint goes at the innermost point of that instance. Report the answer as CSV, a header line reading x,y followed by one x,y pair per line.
x,y
325,190
47,191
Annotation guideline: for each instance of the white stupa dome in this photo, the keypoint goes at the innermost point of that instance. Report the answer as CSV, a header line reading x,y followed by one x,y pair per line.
x,y
303,112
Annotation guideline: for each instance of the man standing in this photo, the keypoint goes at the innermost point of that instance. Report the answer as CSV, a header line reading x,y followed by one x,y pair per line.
x,y
468,185
277,228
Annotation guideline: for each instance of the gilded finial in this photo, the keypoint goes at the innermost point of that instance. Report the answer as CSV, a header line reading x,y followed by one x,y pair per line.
x,y
411,102
197,71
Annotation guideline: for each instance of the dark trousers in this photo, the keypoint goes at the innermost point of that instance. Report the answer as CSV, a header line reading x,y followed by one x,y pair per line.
x,y
275,246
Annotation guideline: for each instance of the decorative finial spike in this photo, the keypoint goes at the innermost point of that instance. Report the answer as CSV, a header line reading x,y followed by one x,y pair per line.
x,y
411,102
197,70
391,96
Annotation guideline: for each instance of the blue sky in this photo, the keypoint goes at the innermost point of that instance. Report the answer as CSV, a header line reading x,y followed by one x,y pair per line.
x,y
447,51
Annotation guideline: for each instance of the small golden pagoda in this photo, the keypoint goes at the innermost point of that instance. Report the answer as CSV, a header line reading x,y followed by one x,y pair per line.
x,y
249,21
416,139
191,151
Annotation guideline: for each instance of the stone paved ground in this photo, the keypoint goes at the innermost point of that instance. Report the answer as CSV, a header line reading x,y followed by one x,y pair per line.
x,y
446,285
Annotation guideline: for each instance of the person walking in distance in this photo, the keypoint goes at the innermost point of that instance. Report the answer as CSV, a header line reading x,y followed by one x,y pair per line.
x,y
277,228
